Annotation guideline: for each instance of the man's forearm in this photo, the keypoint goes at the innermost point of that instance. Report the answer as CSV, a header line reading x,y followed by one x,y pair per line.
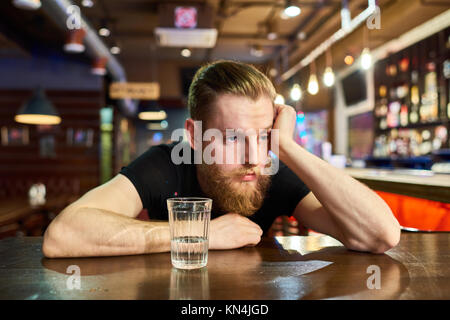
x,y
360,214
85,232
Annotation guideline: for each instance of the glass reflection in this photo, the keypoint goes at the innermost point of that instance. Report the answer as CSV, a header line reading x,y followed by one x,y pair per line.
x,y
189,284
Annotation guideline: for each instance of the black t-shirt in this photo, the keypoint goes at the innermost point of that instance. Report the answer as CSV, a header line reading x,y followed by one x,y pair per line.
x,y
156,178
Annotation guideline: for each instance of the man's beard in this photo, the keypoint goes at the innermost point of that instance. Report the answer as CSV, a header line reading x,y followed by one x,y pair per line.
x,y
231,196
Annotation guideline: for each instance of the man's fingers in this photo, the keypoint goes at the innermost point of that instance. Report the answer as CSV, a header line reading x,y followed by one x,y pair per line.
x,y
251,230
253,240
252,225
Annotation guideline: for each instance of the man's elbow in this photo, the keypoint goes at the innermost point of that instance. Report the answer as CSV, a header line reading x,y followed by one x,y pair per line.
x,y
50,244
386,241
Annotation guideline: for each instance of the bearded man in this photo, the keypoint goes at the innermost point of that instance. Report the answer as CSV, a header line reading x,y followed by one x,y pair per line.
x,y
230,97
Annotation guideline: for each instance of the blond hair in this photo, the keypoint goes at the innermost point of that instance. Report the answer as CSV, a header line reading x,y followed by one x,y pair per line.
x,y
225,77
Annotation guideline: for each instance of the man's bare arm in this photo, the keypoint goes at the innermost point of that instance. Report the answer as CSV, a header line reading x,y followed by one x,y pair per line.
x,y
102,223
344,207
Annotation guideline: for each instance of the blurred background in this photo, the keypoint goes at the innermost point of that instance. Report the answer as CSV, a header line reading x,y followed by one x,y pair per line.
x,y
87,86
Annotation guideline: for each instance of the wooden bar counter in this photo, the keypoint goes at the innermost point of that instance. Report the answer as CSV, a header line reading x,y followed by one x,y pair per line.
x,y
294,267
423,184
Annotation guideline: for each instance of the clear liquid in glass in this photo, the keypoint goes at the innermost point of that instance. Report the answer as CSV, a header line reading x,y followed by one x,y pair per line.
x,y
189,252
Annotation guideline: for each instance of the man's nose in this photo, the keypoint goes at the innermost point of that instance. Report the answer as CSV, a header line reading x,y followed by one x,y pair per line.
x,y
251,149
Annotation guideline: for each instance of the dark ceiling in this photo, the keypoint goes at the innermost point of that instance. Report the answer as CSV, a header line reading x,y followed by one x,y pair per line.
x,y
241,24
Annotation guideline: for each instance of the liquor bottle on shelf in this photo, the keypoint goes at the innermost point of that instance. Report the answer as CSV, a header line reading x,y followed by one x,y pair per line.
x,y
429,108
414,143
448,110
415,100
446,73
404,115
443,84
404,64
393,114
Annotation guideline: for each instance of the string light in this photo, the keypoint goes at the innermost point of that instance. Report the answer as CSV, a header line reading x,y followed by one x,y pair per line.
x,y
296,92
279,99
328,77
313,84
366,59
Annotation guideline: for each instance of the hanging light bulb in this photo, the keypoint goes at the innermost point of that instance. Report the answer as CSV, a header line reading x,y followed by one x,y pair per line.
x,y
296,92
366,59
313,84
279,99
328,77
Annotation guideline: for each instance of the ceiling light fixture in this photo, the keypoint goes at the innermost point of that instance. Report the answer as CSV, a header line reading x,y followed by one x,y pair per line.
x,y
74,42
157,125
271,30
291,10
152,115
99,66
186,53
38,110
301,35
257,51
87,3
104,30
27,4
115,49
272,35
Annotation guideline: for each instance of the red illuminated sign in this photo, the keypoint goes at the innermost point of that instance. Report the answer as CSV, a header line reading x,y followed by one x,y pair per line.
x,y
185,17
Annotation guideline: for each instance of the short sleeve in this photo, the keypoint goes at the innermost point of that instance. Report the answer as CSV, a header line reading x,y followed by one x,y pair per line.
x,y
152,174
288,190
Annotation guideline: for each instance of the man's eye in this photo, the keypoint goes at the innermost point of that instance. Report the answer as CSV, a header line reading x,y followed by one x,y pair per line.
x,y
231,138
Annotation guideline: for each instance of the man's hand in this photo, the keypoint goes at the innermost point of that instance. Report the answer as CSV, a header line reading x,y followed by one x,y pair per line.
x,y
232,231
285,119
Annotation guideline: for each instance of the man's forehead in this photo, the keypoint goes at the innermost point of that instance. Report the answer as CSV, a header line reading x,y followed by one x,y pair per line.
x,y
233,112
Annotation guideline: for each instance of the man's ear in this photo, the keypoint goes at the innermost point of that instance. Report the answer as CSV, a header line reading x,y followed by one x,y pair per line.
x,y
194,133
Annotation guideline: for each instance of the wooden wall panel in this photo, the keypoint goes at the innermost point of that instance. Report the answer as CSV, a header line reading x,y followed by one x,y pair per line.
x,y
22,165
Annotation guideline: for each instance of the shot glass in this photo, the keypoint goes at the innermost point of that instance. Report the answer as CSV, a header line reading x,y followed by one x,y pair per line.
x,y
189,231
